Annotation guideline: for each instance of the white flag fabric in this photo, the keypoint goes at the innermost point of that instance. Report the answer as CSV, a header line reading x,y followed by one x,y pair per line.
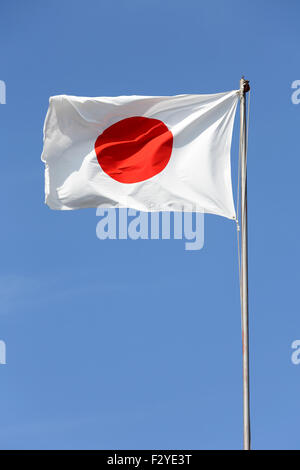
x,y
149,153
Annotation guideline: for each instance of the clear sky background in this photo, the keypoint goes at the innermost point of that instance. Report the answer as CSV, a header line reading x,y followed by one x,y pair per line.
x,y
137,344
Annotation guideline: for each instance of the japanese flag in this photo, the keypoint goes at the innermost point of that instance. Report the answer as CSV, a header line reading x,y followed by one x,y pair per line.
x,y
149,153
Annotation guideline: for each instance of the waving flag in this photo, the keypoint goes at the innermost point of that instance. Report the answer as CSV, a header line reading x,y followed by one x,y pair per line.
x,y
160,153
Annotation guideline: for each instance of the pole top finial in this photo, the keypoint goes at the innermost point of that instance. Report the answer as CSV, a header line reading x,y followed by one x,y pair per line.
x,y
244,85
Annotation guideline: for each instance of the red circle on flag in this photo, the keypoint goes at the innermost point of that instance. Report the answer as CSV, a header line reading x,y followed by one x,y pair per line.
x,y
134,149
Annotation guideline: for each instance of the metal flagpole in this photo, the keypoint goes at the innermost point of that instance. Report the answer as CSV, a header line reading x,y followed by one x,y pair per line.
x,y
244,87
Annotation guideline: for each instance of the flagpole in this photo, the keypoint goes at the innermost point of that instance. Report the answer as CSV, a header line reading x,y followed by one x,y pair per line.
x,y
244,87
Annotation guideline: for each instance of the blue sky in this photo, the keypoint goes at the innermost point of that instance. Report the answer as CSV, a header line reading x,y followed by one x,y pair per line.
x,y
137,344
